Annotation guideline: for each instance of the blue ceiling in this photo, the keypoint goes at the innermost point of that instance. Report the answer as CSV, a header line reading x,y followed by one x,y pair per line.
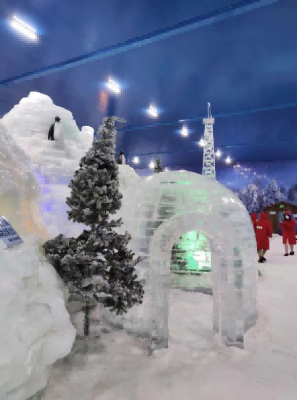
x,y
245,65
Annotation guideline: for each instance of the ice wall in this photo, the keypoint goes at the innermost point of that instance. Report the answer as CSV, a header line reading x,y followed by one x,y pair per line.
x,y
35,328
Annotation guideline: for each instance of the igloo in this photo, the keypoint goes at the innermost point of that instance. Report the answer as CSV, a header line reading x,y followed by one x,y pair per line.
x,y
160,209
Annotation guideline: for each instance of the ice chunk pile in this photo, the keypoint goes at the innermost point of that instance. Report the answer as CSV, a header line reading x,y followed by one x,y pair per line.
x,y
157,212
35,329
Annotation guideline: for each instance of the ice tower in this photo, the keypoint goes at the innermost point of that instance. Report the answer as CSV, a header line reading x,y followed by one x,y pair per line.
x,y
209,168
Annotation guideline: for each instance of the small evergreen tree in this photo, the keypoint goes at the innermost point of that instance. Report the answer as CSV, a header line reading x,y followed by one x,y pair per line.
x,y
272,194
97,265
158,165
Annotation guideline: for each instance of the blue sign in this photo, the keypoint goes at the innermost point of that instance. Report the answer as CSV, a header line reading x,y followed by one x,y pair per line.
x,y
7,234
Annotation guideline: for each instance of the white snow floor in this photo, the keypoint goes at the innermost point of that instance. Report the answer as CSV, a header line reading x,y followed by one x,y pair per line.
x,y
195,366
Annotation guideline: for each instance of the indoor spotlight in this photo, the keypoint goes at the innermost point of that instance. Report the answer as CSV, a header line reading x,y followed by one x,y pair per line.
x,y
184,132
113,86
136,160
23,28
152,165
228,160
153,112
218,153
202,143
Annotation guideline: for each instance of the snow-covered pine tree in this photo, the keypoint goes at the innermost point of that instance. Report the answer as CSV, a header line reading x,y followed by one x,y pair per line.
x,y
158,165
252,198
97,265
272,194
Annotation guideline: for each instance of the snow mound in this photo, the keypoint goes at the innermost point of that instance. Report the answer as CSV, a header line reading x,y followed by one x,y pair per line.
x,y
127,177
35,328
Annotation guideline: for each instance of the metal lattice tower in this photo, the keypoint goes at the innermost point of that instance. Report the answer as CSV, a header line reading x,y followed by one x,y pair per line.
x,y
209,168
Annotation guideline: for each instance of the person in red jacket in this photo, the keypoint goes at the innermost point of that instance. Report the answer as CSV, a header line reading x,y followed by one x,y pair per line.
x,y
288,226
263,233
254,218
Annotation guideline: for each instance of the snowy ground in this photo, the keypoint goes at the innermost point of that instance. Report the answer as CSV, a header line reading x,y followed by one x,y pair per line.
x,y
195,366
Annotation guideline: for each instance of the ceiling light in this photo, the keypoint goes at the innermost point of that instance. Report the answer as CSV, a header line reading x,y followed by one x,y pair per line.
x,y
136,160
184,132
218,153
202,143
23,28
228,160
153,112
152,165
114,86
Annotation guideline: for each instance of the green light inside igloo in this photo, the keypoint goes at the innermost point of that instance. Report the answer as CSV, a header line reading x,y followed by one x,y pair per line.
x,y
191,253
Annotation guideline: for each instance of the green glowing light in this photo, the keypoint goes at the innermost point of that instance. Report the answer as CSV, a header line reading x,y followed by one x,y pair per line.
x,y
191,253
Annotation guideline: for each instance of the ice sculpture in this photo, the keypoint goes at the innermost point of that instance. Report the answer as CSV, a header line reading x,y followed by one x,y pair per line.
x,y
35,328
53,165
159,210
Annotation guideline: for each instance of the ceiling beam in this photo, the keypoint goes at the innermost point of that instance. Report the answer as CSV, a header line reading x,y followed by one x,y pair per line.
x,y
182,27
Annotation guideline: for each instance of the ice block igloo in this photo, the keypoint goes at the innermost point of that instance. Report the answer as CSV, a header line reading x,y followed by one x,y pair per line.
x,y
159,210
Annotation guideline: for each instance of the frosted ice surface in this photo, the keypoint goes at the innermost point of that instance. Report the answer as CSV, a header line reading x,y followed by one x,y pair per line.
x,y
35,328
160,209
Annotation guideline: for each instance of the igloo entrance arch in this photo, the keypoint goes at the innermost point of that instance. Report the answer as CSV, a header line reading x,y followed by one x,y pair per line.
x,y
160,209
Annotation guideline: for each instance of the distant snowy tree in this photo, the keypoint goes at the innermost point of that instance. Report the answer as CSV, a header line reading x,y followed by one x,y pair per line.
x,y
99,252
252,198
158,165
272,194
292,193
261,199
283,190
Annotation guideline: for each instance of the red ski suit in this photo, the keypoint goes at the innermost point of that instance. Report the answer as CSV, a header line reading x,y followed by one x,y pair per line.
x,y
288,228
263,232
254,218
